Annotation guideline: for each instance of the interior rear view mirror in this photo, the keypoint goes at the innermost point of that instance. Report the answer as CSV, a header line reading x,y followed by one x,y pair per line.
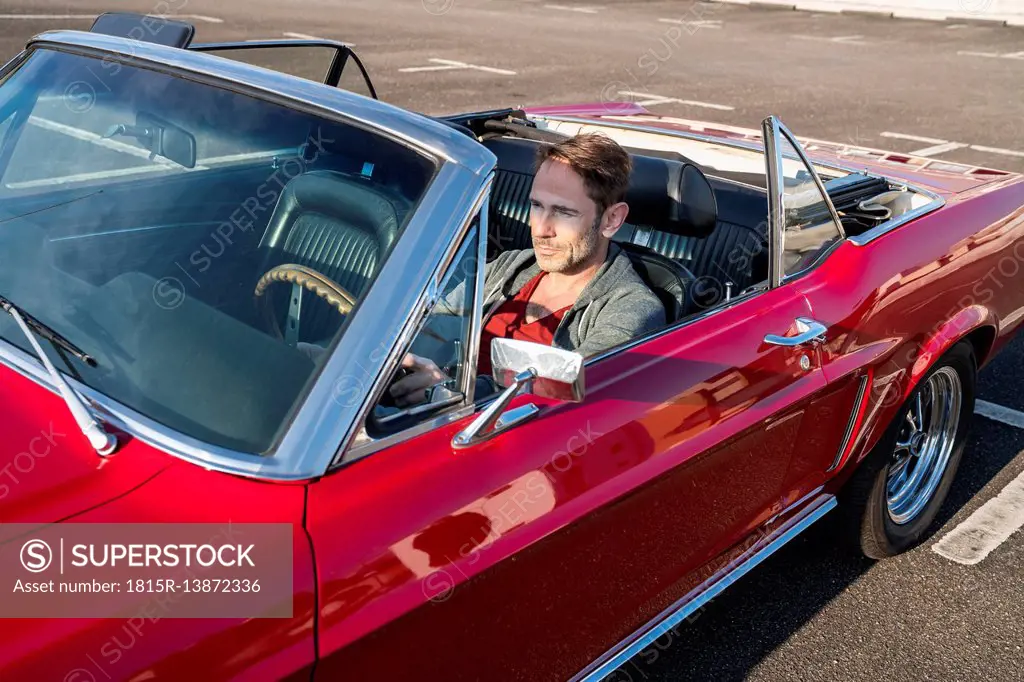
x,y
160,138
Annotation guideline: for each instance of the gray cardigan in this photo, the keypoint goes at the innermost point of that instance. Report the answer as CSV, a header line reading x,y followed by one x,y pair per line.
x,y
615,306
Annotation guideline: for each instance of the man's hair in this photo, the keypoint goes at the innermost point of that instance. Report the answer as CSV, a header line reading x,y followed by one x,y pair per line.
x,y
604,166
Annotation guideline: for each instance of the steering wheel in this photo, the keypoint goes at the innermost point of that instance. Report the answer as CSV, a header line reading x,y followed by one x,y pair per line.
x,y
307,278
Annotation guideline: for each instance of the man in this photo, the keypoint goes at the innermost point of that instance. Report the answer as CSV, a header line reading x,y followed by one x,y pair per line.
x,y
575,289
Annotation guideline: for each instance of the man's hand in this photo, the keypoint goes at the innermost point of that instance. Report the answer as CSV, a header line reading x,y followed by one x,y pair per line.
x,y
412,389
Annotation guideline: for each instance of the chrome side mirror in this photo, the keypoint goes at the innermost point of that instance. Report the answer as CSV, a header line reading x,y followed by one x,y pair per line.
x,y
522,366
559,372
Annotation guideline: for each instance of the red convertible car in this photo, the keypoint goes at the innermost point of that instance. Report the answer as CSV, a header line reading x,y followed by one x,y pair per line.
x,y
175,220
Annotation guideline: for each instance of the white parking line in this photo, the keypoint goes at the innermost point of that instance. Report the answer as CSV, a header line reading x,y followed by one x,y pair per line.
x,y
942,146
915,138
999,413
451,64
991,55
418,69
590,9
651,98
701,23
300,36
996,520
66,17
201,17
997,150
842,40
939,149
987,528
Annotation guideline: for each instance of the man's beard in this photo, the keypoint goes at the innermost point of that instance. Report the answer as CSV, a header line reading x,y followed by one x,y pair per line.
x,y
569,258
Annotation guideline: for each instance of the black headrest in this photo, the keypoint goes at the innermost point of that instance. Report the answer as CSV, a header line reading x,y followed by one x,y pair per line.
x,y
145,28
669,195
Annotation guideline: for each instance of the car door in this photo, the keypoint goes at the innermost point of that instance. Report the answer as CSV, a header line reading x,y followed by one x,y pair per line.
x,y
806,230
533,552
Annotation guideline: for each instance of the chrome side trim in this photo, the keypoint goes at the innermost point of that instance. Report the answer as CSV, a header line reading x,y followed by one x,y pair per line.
x,y
858,403
625,650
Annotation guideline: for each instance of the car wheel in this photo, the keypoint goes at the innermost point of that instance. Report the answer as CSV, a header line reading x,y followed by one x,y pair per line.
x,y
895,495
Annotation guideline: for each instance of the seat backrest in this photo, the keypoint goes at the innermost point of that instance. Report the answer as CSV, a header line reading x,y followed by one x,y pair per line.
x,y
670,281
733,257
509,217
727,261
338,226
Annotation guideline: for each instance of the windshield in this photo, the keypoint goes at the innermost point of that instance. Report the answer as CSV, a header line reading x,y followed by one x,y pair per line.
x,y
138,212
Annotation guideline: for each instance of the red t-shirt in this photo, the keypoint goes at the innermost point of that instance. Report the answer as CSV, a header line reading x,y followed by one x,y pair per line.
x,y
509,322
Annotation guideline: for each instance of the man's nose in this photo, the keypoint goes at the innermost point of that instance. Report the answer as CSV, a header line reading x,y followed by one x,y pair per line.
x,y
541,224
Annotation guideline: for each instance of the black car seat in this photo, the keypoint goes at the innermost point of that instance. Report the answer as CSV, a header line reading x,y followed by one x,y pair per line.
x,y
336,224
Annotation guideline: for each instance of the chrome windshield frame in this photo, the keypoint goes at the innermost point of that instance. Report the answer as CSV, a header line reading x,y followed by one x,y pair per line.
x,y
320,422
358,443
776,200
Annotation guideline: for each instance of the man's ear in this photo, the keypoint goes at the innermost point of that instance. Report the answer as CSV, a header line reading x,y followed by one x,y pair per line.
x,y
613,218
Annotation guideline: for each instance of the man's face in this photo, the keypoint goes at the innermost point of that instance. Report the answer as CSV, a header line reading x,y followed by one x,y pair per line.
x,y
564,224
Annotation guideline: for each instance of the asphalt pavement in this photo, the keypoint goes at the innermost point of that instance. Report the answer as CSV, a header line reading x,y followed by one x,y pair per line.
x,y
951,91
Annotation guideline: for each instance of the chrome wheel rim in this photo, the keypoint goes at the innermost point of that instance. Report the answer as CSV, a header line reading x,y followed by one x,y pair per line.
x,y
924,446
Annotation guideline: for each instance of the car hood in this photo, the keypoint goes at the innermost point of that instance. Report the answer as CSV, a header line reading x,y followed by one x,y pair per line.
x,y
48,471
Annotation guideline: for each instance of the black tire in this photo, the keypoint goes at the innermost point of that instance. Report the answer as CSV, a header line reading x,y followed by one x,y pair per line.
x,y
864,498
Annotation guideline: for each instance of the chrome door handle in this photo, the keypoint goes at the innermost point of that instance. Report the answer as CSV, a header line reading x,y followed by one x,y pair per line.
x,y
811,331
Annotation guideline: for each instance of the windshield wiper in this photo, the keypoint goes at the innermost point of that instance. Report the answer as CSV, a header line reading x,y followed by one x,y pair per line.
x,y
103,442
48,333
